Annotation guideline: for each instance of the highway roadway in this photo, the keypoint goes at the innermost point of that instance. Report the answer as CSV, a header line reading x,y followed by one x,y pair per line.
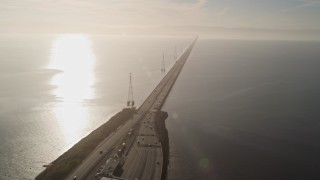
x,y
143,159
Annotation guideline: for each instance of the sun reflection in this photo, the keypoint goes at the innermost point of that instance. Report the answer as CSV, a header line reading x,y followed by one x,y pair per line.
x,y
72,54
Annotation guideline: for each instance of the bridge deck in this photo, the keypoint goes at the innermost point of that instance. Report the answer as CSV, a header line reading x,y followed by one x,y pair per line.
x,y
142,160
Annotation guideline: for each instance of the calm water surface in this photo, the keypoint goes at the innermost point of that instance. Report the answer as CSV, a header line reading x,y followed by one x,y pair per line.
x,y
239,110
57,89
246,110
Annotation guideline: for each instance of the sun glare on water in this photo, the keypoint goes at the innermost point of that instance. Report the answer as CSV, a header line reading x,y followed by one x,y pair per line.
x,y
73,56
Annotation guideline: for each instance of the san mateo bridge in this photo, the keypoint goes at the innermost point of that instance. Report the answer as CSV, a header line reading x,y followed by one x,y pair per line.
x,y
134,150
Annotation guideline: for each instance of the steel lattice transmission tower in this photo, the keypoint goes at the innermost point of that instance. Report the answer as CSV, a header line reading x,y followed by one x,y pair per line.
x,y
130,102
163,69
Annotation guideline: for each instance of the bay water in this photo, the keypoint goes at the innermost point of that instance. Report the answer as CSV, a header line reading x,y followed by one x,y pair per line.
x,y
239,109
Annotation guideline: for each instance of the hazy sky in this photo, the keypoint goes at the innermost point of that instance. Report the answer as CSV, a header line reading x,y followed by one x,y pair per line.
x,y
16,15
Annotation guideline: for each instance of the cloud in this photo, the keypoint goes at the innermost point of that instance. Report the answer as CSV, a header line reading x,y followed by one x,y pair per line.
x,y
219,14
111,12
285,15
93,15
303,4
